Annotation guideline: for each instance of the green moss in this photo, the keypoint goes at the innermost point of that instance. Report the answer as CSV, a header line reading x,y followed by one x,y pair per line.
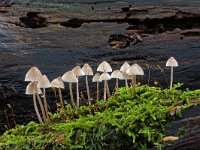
x,y
123,122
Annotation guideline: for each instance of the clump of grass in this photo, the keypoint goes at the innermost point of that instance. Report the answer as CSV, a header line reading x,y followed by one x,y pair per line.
x,y
124,121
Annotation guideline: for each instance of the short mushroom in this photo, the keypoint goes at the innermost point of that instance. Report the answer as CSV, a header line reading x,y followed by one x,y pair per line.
x,y
123,69
78,72
31,90
171,62
88,72
104,77
105,67
59,84
96,79
140,71
117,75
34,74
44,83
71,78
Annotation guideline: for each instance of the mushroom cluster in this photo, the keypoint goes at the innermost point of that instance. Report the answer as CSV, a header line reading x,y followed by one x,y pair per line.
x,y
39,81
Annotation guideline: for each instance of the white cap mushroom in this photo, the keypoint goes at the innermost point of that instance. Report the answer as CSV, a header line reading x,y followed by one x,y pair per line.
x,y
33,74
104,77
96,79
117,75
123,69
104,67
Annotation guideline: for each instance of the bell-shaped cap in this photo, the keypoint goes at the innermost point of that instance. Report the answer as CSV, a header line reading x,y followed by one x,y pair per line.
x,y
96,77
125,67
117,74
44,82
87,69
104,67
141,72
57,83
31,88
39,91
78,71
104,76
125,76
33,74
172,62
133,70
69,77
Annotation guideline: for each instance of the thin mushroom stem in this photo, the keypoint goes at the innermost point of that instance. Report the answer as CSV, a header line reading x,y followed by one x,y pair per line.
x,y
36,109
104,97
88,89
71,95
61,100
108,90
45,104
55,93
132,80
126,82
171,81
117,84
134,84
41,106
97,90
77,94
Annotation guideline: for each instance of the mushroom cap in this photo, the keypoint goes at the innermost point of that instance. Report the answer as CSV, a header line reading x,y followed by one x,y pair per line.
x,y
96,77
39,91
57,83
33,74
31,88
133,70
125,67
78,71
141,72
125,76
69,77
172,62
87,69
104,67
104,76
117,74
44,82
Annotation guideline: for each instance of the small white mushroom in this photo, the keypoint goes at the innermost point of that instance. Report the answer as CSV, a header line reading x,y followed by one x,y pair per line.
x,y
117,75
140,71
44,83
34,74
59,84
78,72
88,72
104,77
31,90
123,69
70,77
171,62
96,79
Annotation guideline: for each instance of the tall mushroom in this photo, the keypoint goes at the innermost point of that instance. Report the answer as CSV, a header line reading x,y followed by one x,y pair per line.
x,y
105,67
123,69
31,90
59,84
71,78
171,62
96,79
117,75
140,71
104,77
78,72
34,74
44,83
133,71
88,72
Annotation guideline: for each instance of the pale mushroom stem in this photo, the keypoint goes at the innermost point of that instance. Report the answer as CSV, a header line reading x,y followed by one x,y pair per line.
x,y
56,99
97,90
117,84
61,100
134,84
88,89
71,95
41,106
132,80
77,94
36,109
171,81
108,90
126,82
45,104
105,89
